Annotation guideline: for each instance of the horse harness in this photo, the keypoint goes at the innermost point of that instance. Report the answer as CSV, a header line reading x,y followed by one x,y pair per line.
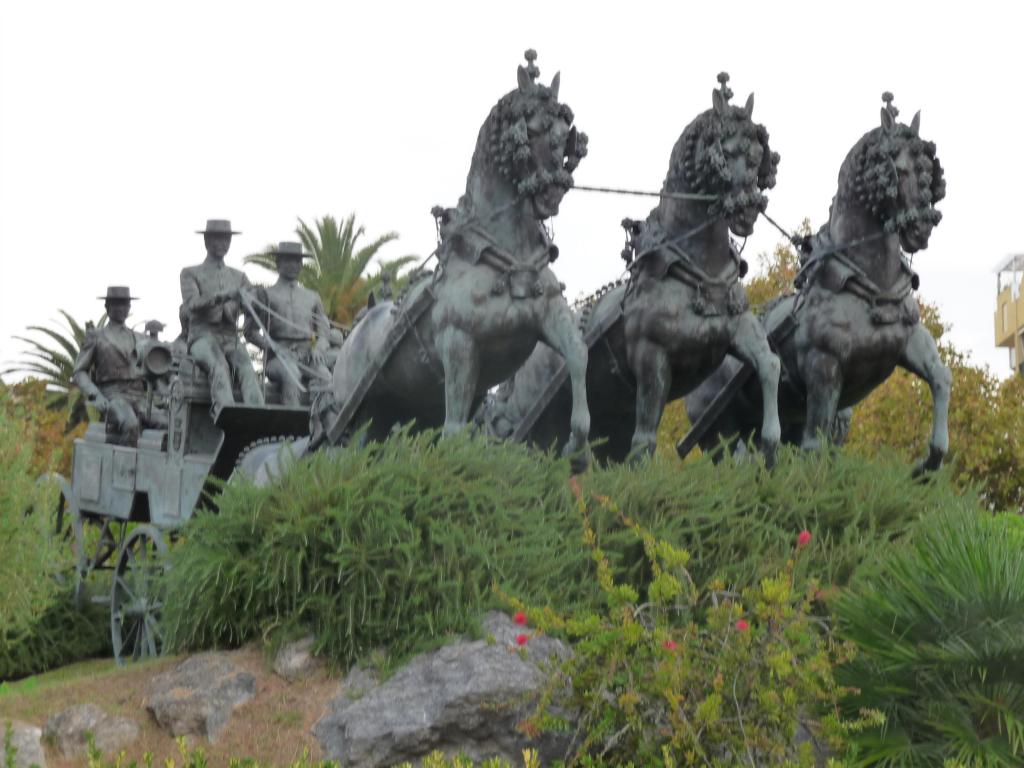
x,y
834,271
715,296
520,279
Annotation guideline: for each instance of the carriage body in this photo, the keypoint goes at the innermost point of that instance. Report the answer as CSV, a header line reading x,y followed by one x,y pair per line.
x,y
124,502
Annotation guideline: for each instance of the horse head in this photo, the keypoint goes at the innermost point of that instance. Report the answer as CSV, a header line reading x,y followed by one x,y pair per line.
x,y
724,153
527,147
896,176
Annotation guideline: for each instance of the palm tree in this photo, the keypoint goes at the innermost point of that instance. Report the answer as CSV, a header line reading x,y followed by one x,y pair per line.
x,y
337,267
55,365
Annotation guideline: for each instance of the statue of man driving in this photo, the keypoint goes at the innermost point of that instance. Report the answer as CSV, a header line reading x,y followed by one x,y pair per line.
x,y
211,296
299,332
108,370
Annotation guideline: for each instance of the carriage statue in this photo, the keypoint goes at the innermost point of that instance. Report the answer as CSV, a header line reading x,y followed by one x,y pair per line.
x,y
488,339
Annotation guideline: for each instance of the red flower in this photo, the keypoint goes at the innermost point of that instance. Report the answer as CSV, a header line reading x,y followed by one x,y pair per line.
x,y
669,645
803,539
742,625
520,618
522,639
574,484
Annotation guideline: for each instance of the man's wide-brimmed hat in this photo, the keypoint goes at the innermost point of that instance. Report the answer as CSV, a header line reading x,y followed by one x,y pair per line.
x,y
290,249
116,292
217,227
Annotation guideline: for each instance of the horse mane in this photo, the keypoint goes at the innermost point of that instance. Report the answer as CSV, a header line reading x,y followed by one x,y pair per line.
x,y
503,144
698,162
868,175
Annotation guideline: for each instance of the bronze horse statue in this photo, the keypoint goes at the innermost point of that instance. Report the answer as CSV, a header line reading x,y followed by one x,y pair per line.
x,y
854,317
657,336
431,357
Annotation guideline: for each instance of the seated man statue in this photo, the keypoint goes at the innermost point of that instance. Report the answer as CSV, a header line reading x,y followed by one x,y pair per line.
x,y
293,318
109,372
212,295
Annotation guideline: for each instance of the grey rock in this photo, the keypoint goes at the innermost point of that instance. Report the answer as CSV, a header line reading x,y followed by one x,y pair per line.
x,y
358,682
27,742
296,661
466,697
199,695
68,730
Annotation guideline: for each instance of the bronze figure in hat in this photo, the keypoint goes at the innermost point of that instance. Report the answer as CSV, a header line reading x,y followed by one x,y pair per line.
x,y
293,318
211,296
109,372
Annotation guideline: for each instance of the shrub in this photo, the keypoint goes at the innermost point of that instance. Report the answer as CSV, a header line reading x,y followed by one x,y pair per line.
x,y
397,545
28,559
62,634
939,623
692,677
737,519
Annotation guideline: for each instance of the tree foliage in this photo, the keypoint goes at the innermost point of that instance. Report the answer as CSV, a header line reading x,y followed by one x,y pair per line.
x,y
337,269
53,362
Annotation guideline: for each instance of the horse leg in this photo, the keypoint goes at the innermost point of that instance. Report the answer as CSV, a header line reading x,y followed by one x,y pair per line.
x,y
558,330
921,358
750,344
823,378
653,372
461,362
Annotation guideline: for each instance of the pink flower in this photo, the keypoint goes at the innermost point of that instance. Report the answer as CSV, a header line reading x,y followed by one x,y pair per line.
x,y
803,539
742,625
520,619
522,639
669,645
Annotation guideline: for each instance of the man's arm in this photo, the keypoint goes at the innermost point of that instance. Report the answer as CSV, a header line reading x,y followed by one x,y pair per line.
x,y
250,328
322,330
81,375
193,298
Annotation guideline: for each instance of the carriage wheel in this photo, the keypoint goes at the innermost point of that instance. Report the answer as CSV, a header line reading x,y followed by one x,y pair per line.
x,y
67,530
136,597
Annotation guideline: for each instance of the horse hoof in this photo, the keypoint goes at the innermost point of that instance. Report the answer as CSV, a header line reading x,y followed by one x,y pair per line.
x,y
579,460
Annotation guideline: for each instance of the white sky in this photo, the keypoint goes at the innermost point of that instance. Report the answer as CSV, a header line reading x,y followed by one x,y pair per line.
x,y
125,125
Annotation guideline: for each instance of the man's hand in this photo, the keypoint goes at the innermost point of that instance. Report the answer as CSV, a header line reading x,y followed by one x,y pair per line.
x,y
99,402
222,297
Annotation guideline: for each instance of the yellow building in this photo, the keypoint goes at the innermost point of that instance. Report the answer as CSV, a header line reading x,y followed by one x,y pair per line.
x,y
1009,317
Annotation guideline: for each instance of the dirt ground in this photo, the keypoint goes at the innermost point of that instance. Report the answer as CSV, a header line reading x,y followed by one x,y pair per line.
x,y
272,727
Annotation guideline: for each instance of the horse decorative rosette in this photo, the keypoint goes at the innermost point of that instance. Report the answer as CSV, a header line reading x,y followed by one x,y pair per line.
x,y
656,337
855,316
431,357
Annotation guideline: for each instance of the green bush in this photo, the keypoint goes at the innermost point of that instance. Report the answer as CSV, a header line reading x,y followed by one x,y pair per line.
x,y
63,634
28,558
939,623
397,545
738,520
692,676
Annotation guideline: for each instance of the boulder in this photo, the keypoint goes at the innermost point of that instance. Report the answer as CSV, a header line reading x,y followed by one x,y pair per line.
x,y
68,730
199,695
466,697
27,741
296,661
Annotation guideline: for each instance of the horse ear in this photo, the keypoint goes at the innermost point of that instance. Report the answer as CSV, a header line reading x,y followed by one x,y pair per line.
x,y
915,124
887,120
718,102
556,82
750,107
524,80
